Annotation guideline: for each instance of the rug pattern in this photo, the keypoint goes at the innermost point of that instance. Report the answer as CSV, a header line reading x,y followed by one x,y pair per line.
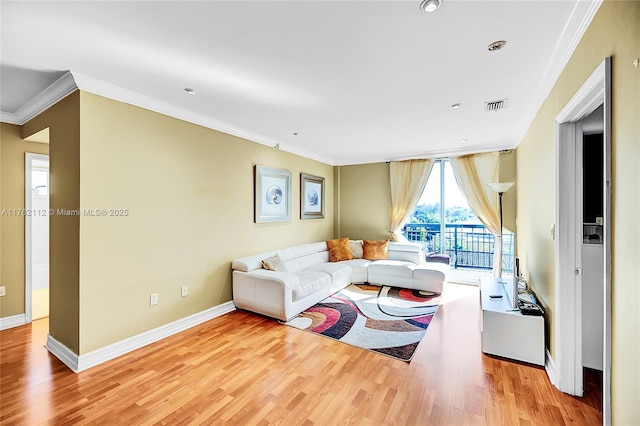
x,y
384,319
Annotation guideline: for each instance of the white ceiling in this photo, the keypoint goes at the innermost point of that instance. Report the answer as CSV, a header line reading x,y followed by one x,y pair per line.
x,y
358,81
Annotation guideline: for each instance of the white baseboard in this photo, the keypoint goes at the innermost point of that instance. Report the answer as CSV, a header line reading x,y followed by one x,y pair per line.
x,y
79,363
63,353
550,367
13,321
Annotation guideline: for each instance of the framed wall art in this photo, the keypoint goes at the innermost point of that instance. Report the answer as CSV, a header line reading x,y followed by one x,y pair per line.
x,y
311,197
272,191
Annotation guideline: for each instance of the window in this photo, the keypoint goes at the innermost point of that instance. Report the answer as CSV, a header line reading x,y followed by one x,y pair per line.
x,y
443,222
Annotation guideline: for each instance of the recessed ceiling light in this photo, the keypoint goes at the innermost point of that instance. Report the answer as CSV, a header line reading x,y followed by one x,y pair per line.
x,y
496,45
430,5
191,91
455,106
464,140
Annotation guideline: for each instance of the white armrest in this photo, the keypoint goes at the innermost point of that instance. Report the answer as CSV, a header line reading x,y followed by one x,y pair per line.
x,y
264,292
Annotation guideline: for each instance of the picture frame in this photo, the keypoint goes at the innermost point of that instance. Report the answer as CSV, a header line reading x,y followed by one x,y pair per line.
x,y
311,196
272,195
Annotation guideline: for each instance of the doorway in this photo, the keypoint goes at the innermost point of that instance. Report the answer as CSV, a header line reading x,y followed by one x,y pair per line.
x,y
569,269
37,237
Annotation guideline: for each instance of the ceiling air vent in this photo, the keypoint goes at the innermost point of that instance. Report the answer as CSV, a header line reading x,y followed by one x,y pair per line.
x,y
495,105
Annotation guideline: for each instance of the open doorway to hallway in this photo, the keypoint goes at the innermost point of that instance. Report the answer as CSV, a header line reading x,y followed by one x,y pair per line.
x,y
37,236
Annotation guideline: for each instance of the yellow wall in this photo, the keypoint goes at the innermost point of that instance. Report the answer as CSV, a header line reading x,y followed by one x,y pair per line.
x,y
12,171
189,195
615,32
365,198
63,120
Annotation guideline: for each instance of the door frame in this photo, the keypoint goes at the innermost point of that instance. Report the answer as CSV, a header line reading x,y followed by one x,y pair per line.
x,y
28,230
594,92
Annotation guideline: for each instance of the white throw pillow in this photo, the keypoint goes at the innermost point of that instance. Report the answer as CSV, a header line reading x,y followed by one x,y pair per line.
x,y
356,248
274,263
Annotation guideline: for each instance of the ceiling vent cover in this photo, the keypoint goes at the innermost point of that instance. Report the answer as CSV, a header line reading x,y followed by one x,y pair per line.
x,y
495,105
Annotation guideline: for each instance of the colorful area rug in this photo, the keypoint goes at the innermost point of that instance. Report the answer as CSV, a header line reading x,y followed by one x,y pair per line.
x,y
388,320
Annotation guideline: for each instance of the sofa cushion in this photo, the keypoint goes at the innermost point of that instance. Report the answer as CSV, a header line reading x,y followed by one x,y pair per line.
x,y
359,273
337,270
405,247
299,264
392,268
374,250
339,250
310,282
290,254
427,272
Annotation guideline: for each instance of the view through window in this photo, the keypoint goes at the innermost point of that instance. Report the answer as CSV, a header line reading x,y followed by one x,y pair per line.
x,y
443,222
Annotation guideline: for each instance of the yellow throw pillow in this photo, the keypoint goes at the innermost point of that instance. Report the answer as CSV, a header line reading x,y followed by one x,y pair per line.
x,y
375,250
339,250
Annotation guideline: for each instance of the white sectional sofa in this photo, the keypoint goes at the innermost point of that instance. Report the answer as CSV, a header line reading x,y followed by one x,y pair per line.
x,y
308,277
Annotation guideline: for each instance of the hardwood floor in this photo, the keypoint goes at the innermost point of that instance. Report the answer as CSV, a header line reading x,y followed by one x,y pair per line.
x,y
245,369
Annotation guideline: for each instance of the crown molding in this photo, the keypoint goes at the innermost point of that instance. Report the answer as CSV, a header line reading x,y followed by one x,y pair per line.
x,y
9,117
107,90
53,94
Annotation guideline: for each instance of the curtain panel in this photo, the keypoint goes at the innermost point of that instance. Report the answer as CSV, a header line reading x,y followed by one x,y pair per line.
x,y
408,179
473,173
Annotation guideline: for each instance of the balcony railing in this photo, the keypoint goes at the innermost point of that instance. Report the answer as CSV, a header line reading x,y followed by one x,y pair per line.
x,y
468,245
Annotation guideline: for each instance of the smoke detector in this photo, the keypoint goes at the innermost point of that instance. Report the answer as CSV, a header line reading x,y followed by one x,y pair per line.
x,y
495,105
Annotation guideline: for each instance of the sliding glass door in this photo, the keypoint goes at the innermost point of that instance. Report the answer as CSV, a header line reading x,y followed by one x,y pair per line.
x,y
443,222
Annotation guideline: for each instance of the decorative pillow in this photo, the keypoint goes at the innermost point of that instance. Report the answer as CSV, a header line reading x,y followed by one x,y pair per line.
x,y
339,250
375,250
274,263
356,248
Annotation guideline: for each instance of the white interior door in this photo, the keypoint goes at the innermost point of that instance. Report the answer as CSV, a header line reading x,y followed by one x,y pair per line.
x,y
568,322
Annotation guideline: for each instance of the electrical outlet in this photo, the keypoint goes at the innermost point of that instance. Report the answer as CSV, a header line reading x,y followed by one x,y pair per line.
x,y
3,291
184,290
153,300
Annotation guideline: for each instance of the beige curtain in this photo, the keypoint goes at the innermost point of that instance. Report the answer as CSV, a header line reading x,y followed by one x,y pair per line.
x,y
408,179
474,172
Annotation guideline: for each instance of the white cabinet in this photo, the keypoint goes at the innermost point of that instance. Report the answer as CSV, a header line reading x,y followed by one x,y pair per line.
x,y
506,332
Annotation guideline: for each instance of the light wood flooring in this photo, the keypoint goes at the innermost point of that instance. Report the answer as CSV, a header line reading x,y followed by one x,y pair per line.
x,y
244,369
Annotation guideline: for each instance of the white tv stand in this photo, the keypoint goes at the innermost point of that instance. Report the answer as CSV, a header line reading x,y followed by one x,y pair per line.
x,y
506,332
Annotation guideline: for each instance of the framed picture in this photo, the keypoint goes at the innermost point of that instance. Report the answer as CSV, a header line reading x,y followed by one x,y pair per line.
x,y
311,197
272,192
